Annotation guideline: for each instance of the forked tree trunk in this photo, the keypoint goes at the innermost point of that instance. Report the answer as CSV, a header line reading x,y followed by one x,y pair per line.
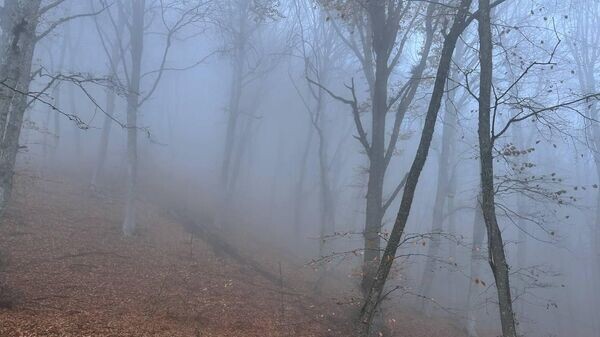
x,y
375,291
496,254
374,211
379,157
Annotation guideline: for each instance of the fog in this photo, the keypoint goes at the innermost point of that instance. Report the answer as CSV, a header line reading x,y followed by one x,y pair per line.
x,y
300,132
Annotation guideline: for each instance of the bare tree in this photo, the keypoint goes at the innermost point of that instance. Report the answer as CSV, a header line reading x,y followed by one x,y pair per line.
x,y
174,18
240,22
321,52
382,31
583,43
112,48
497,258
375,295
443,195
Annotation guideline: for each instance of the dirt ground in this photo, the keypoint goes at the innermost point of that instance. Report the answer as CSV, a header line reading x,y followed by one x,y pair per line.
x,y
68,271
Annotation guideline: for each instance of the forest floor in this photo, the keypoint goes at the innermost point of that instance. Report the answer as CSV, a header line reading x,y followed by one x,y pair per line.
x,y
66,270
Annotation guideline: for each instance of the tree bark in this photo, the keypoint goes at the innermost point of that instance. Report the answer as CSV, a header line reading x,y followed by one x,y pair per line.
x,y
496,254
374,211
375,292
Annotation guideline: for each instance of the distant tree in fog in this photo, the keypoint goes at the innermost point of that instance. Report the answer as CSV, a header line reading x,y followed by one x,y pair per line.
x,y
240,23
175,16
443,206
583,41
321,51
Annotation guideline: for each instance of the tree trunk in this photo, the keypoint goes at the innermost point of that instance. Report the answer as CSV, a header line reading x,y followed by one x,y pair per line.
x,y
475,270
441,198
18,43
76,129
232,120
111,98
235,96
522,226
375,292
374,211
57,95
496,254
299,189
596,243
104,137
137,45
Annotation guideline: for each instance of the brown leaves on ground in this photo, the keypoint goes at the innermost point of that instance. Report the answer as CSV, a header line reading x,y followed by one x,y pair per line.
x,y
67,271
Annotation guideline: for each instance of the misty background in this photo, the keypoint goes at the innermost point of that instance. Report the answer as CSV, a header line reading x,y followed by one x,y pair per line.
x,y
246,125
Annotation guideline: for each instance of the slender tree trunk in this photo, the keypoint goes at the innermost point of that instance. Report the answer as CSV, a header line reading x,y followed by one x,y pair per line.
x,y
441,198
104,137
453,107
45,138
232,120
497,257
522,227
326,216
235,97
589,84
375,292
111,100
475,270
243,143
374,211
596,243
451,288
56,127
56,145
137,45
76,130
299,190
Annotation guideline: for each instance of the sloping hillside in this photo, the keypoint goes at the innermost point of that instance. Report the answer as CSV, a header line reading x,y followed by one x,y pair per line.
x,y
69,272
